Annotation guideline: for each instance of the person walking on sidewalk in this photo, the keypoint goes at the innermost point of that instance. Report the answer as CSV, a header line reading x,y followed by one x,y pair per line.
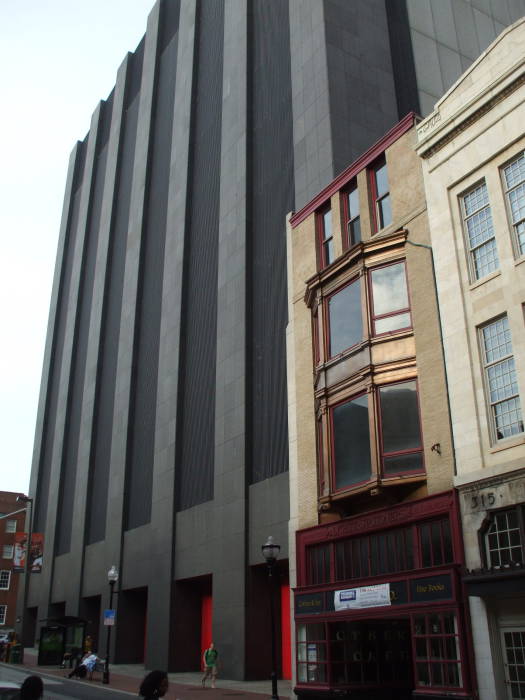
x,y
209,660
154,685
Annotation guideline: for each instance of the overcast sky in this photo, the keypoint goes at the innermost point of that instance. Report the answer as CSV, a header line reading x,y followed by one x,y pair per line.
x,y
58,58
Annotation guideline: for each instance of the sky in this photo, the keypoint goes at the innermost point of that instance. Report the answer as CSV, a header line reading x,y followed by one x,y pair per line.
x,y
59,58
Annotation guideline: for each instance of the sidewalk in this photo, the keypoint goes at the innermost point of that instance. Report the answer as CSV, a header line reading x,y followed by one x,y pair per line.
x,y
127,678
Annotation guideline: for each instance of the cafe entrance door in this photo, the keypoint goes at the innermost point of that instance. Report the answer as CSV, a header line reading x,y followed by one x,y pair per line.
x,y
374,656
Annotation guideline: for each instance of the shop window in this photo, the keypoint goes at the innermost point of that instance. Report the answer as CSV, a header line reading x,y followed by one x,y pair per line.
x,y
500,379
7,552
3,614
325,237
5,579
318,564
481,240
345,326
503,538
381,194
436,640
402,450
382,553
351,442
351,215
10,525
312,658
514,181
390,307
435,543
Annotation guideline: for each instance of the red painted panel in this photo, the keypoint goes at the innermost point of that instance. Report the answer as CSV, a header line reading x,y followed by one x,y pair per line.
x,y
286,640
206,621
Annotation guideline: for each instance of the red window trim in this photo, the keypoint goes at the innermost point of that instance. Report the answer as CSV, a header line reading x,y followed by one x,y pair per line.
x,y
345,212
378,163
322,241
382,453
398,312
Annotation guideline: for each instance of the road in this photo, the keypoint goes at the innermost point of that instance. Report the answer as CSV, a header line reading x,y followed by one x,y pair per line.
x,y
64,689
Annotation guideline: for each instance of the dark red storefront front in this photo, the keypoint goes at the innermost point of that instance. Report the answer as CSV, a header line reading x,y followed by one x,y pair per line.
x,y
379,608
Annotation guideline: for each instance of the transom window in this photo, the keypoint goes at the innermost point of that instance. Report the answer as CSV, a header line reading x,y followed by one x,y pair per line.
x,y
10,525
503,538
7,552
514,180
5,578
381,194
500,379
481,241
325,237
380,553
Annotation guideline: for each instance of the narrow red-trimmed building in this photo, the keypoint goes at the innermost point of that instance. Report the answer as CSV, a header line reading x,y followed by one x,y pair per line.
x,y
378,608
9,526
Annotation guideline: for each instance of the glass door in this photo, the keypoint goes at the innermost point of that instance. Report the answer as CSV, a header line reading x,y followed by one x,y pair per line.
x,y
513,641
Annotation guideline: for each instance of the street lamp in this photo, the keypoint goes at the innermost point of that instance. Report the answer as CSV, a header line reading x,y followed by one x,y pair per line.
x,y
270,552
112,579
23,627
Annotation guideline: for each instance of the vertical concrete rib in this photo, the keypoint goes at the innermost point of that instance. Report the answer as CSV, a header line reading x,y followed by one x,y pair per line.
x,y
229,546
68,349
90,380
40,594
117,476
162,522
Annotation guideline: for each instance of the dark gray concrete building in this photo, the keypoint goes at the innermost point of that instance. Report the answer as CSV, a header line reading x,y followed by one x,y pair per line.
x,y
161,441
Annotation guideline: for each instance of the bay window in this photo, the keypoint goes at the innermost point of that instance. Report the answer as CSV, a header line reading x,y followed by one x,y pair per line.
x,y
400,430
390,306
351,442
344,318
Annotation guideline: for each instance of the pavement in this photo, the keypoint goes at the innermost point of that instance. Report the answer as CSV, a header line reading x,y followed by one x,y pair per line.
x,y
183,686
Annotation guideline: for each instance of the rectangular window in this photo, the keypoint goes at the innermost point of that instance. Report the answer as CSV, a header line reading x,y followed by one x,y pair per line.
x,y
481,240
352,215
3,613
325,237
504,539
437,650
402,449
312,658
435,543
351,442
345,318
390,305
318,564
7,552
381,194
514,179
5,578
500,379
10,525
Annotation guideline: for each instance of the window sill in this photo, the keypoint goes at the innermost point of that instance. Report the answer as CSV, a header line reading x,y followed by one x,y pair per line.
x,y
484,280
519,261
508,444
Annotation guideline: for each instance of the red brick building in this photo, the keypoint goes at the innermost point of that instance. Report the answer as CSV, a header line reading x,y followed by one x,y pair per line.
x,y
9,581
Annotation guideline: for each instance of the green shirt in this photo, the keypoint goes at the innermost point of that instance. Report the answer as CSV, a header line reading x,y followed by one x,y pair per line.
x,y
210,657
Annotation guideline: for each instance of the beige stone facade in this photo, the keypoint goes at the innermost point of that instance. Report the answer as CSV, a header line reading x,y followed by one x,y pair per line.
x,y
472,148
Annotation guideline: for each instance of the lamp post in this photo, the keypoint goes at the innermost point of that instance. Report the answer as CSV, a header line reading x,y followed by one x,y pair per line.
x,y
270,552
112,579
29,510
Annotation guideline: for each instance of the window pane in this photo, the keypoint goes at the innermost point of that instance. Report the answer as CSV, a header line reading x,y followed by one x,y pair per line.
x,y
381,176
353,203
351,442
403,463
355,231
329,251
392,323
344,309
385,212
389,289
327,224
399,417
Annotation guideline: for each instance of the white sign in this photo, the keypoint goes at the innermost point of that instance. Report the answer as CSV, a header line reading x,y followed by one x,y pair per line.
x,y
109,618
365,597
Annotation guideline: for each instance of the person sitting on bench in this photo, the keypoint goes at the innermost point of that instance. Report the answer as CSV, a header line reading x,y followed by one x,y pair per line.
x,y
87,664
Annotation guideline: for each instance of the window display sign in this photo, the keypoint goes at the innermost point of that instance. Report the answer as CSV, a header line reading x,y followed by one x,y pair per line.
x,y
365,597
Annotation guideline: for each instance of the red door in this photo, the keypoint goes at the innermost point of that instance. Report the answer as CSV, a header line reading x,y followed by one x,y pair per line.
x,y
206,621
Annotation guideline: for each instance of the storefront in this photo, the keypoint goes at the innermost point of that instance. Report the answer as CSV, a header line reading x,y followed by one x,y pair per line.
x,y
379,609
